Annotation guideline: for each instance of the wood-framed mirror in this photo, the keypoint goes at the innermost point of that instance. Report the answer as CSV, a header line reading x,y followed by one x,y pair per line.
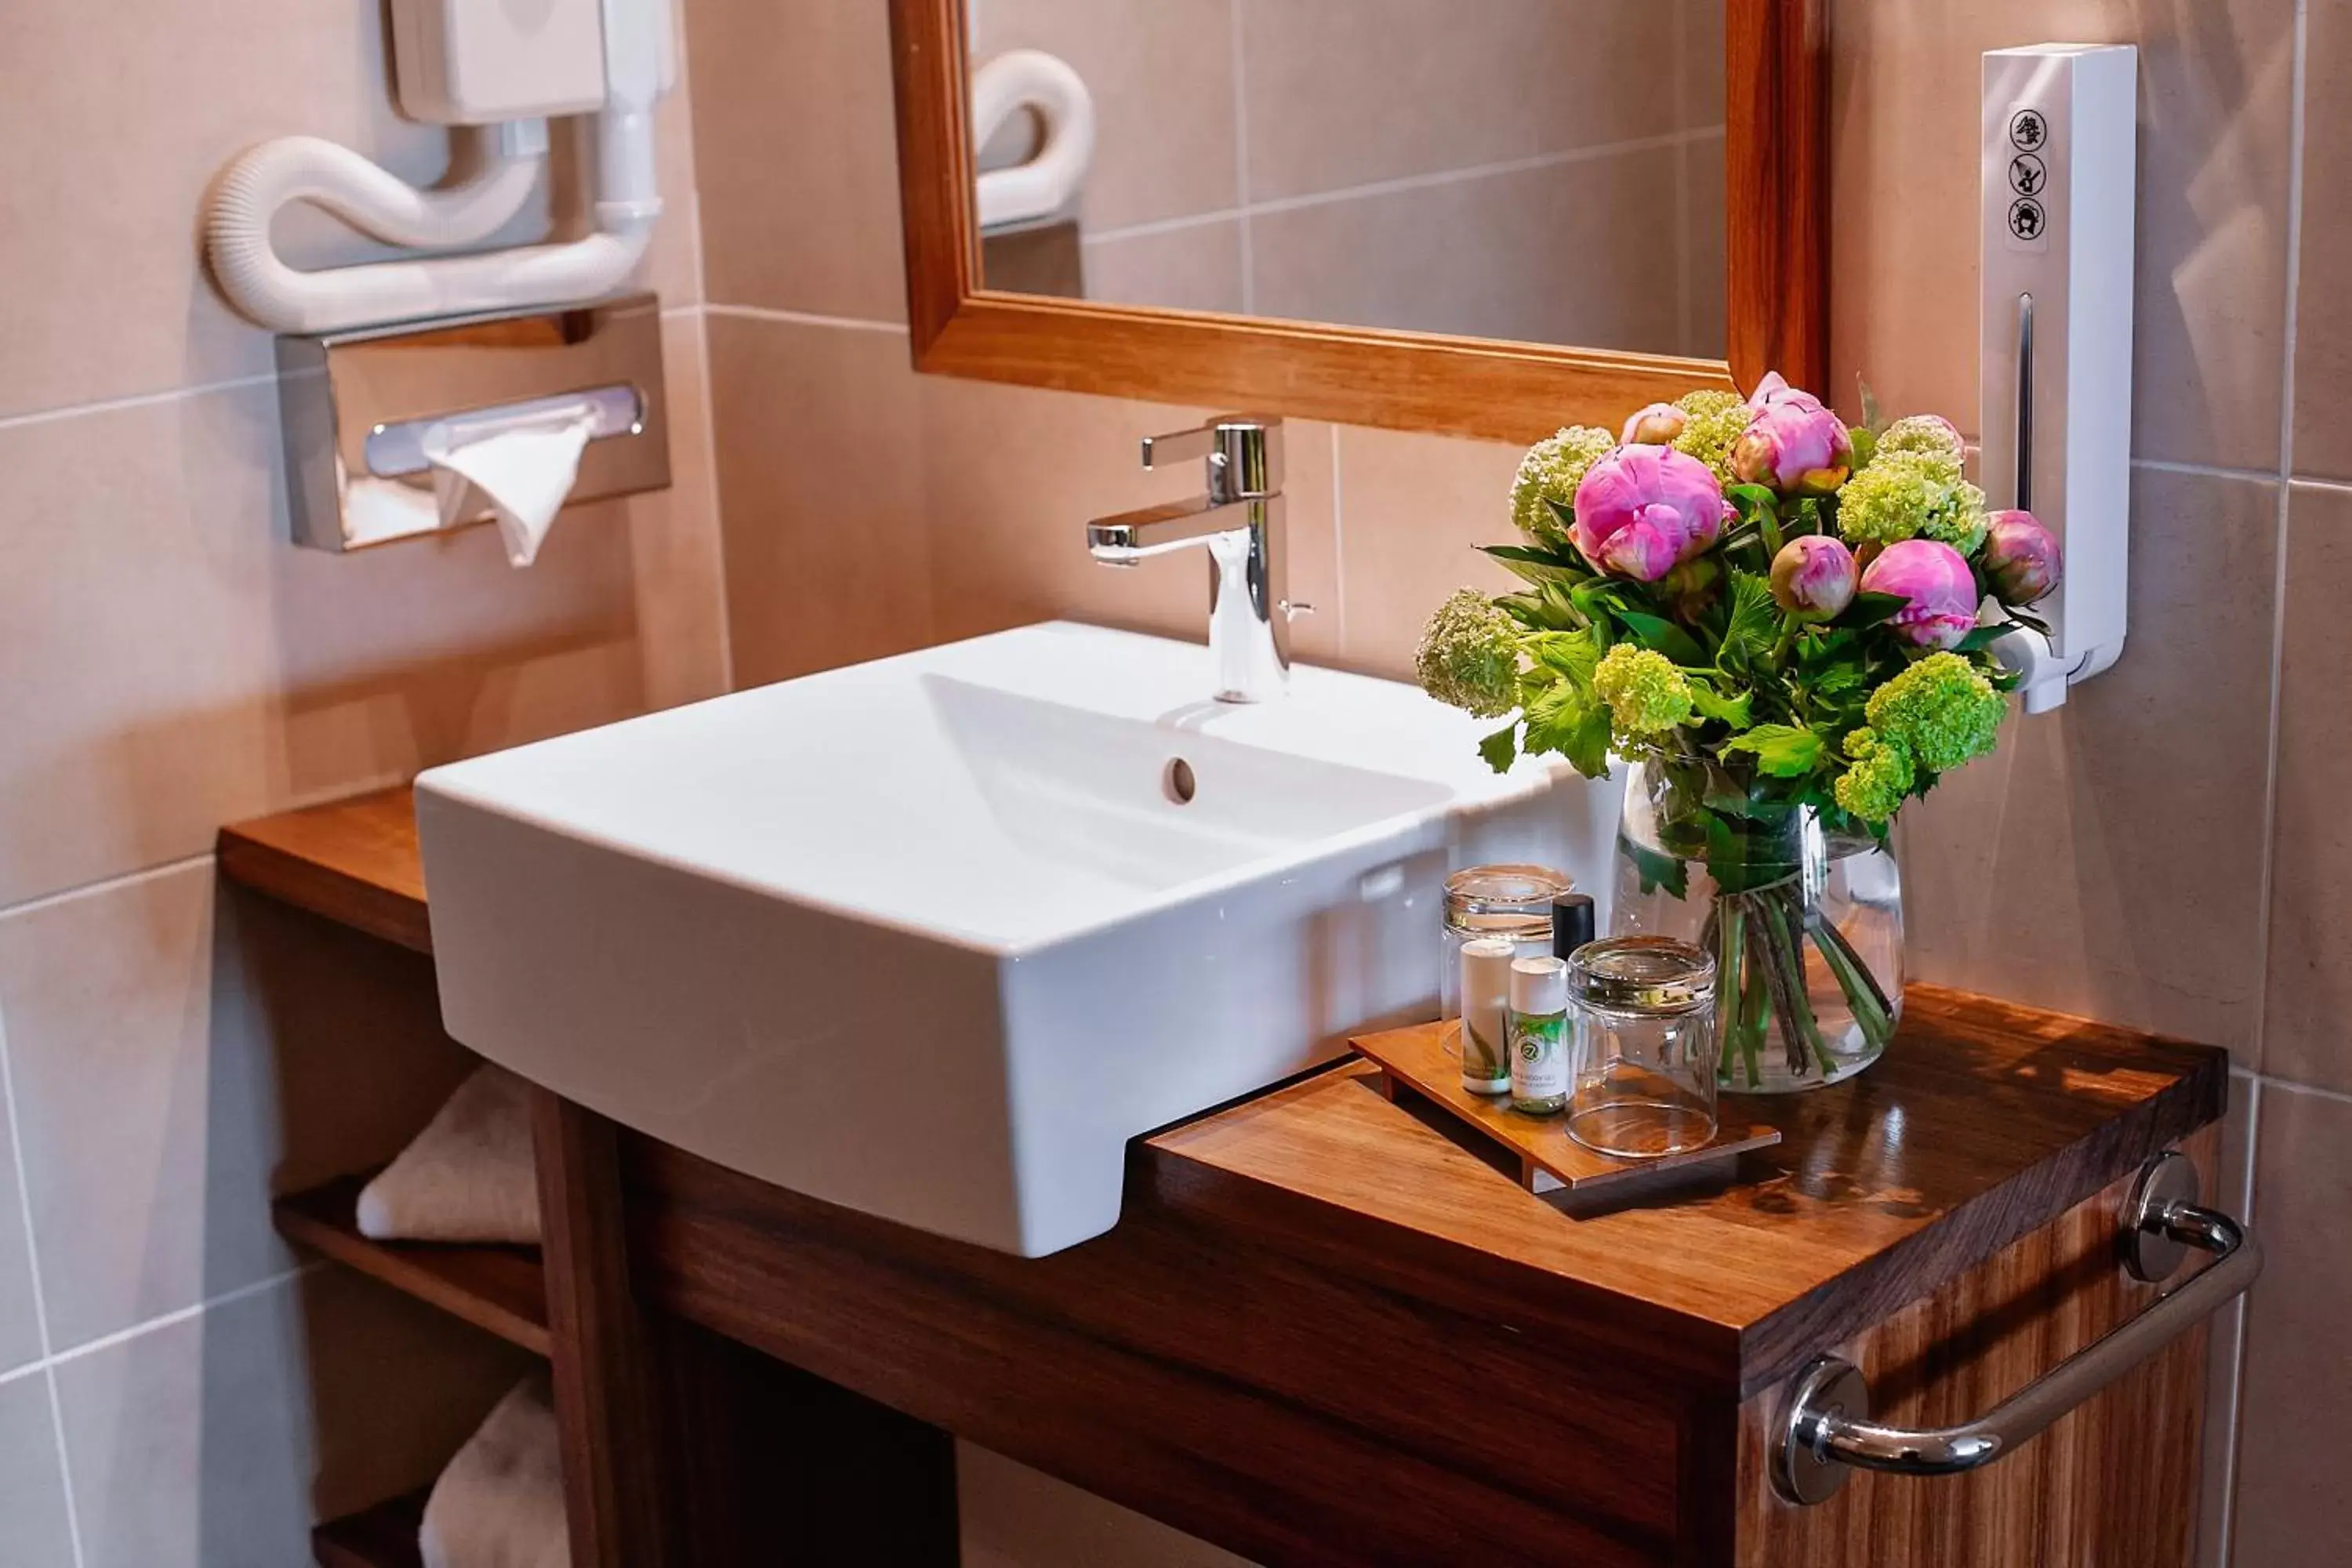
x,y
1594,193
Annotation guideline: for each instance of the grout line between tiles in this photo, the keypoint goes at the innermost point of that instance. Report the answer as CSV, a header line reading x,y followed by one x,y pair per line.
x,y
802,319
2207,471
47,1366
2317,1092
1241,159
180,1315
2246,1203
103,885
717,500
136,400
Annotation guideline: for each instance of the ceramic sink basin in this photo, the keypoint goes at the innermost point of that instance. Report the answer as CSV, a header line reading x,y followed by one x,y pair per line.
x,y
933,937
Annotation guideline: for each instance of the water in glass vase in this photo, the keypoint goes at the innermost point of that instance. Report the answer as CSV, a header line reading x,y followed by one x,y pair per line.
x,y
1806,926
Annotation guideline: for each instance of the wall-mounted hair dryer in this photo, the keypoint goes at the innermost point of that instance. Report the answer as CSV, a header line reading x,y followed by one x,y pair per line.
x,y
459,62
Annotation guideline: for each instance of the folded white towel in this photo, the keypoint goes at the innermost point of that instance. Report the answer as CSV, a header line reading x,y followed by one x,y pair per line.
x,y
500,1502
467,1176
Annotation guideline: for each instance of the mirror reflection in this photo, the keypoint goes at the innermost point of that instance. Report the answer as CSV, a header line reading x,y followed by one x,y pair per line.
x,y
1548,171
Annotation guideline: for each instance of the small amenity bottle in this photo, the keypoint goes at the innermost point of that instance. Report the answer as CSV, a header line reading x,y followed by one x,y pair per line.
x,y
1486,1001
1538,1033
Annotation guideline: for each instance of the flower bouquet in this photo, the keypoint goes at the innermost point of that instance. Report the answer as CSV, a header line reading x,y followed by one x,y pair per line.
x,y
1775,618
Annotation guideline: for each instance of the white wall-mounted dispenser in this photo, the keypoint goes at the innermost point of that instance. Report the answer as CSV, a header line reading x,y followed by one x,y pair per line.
x,y
432,392
2058,197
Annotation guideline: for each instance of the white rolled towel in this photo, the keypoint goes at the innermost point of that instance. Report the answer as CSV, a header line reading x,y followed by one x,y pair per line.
x,y
500,1502
468,1176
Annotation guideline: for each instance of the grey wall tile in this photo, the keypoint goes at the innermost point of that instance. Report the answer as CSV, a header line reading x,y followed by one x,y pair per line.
x,y
189,1444
2307,1025
2323,338
20,1329
34,1529
2294,1509
2107,859
149,1136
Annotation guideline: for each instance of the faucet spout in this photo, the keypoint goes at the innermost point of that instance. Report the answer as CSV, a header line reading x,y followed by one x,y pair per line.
x,y
1132,536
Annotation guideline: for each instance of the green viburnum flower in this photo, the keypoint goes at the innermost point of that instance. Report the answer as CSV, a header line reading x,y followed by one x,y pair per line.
x,y
1921,434
1940,711
1550,472
1716,420
1960,520
1645,693
1469,656
1881,775
1900,494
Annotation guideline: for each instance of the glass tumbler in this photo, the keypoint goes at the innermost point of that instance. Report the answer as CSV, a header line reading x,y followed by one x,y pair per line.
x,y
1644,1051
1513,902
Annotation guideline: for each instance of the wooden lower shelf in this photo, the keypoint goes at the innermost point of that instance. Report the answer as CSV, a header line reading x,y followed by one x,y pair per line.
x,y
501,1289
383,1537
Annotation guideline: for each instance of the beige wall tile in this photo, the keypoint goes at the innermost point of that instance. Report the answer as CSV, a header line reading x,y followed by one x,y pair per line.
x,y
114,121
2323,339
2107,859
1710,280
2215,99
872,510
1413,511
1503,255
32,1483
1344,92
2293,1509
796,156
148,1135
2307,1024
1196,267
1163,80
183,665
1703,75
20,1326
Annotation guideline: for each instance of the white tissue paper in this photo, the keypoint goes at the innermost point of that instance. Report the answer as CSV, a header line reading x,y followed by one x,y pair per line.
x,y
500,1502
521,473
468,1176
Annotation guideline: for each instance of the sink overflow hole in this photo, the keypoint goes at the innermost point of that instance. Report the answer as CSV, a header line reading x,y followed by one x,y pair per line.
x,y
1178,782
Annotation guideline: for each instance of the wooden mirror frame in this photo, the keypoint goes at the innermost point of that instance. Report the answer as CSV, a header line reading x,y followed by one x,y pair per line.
x,y
1776,64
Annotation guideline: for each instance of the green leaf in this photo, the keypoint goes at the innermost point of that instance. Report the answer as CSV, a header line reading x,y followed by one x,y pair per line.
x,y
1983,636
1751,499
1567,720
1661,635
1574,655
1537,566
1869,609
1865,445
1656,871
1712,704
1783,750
1501,749
1754,621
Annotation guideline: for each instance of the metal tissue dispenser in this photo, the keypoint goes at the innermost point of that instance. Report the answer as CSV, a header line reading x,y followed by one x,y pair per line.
x,y
361,407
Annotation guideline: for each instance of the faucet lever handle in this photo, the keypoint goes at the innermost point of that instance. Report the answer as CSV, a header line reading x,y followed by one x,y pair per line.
x,y
1244,452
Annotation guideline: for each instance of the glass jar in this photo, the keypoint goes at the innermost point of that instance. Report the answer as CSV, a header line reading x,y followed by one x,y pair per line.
x,y
1512,902
1805,925
1642,1072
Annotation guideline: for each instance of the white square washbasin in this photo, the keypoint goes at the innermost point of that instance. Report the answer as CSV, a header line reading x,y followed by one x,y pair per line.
x,y
933,937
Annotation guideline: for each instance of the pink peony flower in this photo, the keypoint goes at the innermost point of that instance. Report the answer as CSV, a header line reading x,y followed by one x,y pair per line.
x,y
1936,579
1641,510
1792,443
2020,558
1656,426
1813,577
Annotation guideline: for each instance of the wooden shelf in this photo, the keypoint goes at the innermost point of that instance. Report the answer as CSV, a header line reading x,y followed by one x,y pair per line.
x,y
383,1537
501,1289
354,861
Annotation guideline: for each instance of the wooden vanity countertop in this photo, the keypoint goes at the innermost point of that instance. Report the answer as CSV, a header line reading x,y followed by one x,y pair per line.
x,y
1983,1122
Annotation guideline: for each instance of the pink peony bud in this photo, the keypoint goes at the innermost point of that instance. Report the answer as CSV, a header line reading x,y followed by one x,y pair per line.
x,y
1792,443
1813,577
1641,510
1936,579
2020,558
1656,426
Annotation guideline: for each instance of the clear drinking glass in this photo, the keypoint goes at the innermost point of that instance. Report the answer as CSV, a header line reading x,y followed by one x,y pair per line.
x,y
1513,902
1644,1052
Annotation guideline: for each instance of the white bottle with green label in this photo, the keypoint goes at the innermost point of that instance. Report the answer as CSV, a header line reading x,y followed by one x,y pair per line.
x,y
1539,1035
1485,1006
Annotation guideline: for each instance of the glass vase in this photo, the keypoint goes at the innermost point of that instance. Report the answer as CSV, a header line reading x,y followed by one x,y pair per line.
x,y
1806,926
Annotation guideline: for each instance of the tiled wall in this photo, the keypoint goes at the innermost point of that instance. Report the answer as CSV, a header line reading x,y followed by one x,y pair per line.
x,y
172,1393
2170,850
1402,163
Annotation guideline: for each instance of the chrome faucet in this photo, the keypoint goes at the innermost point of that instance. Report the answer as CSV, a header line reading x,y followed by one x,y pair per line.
x,y
1239,521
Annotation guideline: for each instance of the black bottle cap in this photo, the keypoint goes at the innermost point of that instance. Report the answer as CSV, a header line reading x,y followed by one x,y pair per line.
x,y
1571,923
